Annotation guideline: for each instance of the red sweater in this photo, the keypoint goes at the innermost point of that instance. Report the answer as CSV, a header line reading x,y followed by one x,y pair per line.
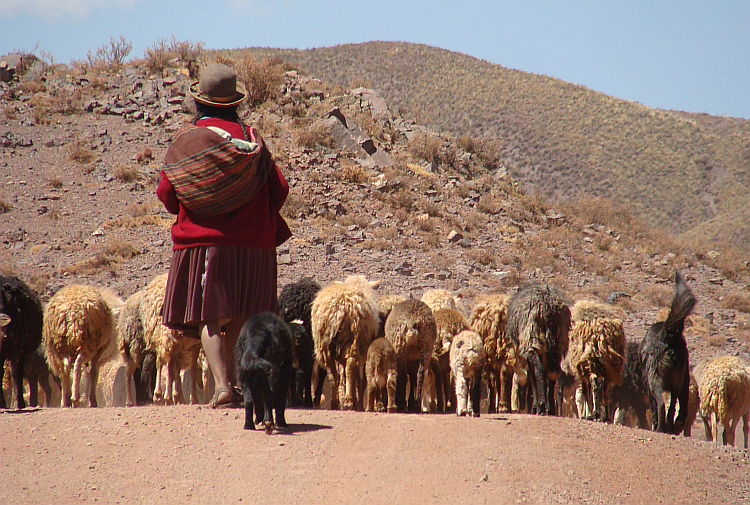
x,y
258,224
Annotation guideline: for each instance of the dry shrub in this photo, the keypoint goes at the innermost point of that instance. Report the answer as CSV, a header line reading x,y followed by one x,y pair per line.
x,y
605,212
188,53
10,112
482,256
127,173
314,135
158,57
355,174
736,301
108,258
486,150
488,204
111,55
55,182
80,153
67,101
261,79
4,206
31,87
658,295
432,209
426,147
124,222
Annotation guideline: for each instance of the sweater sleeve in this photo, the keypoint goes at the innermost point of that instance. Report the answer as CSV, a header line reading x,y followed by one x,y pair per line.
x,y
166,193
278,188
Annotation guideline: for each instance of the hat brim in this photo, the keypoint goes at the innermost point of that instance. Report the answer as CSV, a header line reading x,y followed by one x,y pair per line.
x,y
208,100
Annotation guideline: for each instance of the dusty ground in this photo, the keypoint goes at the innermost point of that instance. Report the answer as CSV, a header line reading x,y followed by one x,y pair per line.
x,y
191,454
61,215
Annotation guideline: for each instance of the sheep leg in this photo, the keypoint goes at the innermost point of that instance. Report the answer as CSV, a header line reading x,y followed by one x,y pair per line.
x,y
476,392
334,386
401,381
158,393
746,426
581,401
319,386
729,431
683,398
538,385
506,384
351,371
390,386
284,380
129,383
93,380
492,387
75,399
194,378
16,370
461,393
247,398
599,405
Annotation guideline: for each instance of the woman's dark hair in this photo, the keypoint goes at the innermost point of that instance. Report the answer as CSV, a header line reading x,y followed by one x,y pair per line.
x,y
228,113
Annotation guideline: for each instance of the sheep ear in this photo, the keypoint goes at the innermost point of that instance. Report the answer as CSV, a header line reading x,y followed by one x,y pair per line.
x,y
4,319
374,284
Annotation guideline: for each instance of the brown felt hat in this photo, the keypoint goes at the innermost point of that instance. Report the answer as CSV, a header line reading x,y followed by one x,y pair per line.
x,y
218,87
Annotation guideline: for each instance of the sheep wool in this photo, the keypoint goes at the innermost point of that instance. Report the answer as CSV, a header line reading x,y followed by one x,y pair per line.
x,y
467,358
78,327
596,354
381,373
344,323
724,392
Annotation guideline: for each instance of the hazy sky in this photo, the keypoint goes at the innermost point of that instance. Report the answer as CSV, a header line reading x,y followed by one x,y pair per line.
x,y
686,55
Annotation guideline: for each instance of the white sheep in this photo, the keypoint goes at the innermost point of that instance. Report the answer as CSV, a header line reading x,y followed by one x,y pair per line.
x,y
79,329
449,323
344,323
467,359
411,329
724,392
437,298
596,355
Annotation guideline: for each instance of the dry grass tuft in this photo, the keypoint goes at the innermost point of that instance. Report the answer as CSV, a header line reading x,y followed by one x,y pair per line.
x,y
108,258
127,173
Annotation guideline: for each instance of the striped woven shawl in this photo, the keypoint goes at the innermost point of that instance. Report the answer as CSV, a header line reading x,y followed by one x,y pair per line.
x,y
211,175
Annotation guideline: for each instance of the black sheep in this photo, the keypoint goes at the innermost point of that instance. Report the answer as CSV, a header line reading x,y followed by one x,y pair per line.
x,y
665,357
22,334
632,392
295,302
538,324
264,357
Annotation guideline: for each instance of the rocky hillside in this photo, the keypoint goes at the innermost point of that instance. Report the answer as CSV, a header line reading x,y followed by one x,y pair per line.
x,y
687,173
372,192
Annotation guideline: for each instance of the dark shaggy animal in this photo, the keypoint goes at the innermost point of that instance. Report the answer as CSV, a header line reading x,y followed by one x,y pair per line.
x,y
264,356
665,356
295,303
538,324
632,392
21,334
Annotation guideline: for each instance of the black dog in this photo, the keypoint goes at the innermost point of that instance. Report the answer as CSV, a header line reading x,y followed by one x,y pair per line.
x,y
264,357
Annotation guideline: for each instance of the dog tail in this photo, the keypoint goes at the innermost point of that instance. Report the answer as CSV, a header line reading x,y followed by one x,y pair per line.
x,y
682,305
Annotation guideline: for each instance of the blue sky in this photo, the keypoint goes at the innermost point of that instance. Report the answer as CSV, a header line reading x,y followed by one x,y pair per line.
x,y
668,54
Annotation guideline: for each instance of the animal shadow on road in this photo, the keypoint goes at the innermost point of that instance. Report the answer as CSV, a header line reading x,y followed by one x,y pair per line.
x,y
292,429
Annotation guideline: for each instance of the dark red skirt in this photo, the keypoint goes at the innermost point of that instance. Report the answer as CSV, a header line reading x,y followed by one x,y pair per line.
x,y
219,282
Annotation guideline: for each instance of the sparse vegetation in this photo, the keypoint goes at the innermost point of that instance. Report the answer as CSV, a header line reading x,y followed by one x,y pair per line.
x,y
112,54
79,152
127,173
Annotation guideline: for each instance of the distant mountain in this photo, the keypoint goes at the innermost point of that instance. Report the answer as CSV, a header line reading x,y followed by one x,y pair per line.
x,y
685,172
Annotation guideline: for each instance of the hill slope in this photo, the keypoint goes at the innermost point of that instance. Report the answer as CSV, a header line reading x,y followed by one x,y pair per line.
x,y
679,171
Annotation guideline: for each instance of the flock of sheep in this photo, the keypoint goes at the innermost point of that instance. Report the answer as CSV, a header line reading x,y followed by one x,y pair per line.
x,y
527,352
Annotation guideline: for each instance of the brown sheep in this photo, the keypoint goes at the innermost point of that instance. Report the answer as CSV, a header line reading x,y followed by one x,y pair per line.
x,y
381,373
79,327
596,355
411,329
385,305
439,299
724,391
489,315
344,323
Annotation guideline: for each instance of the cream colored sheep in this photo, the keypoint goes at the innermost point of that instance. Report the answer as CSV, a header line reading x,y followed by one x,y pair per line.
x,y
79,328
596,355
489,315
449,323
131,342
381,373
724,391
344,323
439,299
174,351
411,329
467,360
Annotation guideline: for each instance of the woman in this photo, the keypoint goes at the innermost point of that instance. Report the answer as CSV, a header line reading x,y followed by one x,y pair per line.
x,y
221,182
